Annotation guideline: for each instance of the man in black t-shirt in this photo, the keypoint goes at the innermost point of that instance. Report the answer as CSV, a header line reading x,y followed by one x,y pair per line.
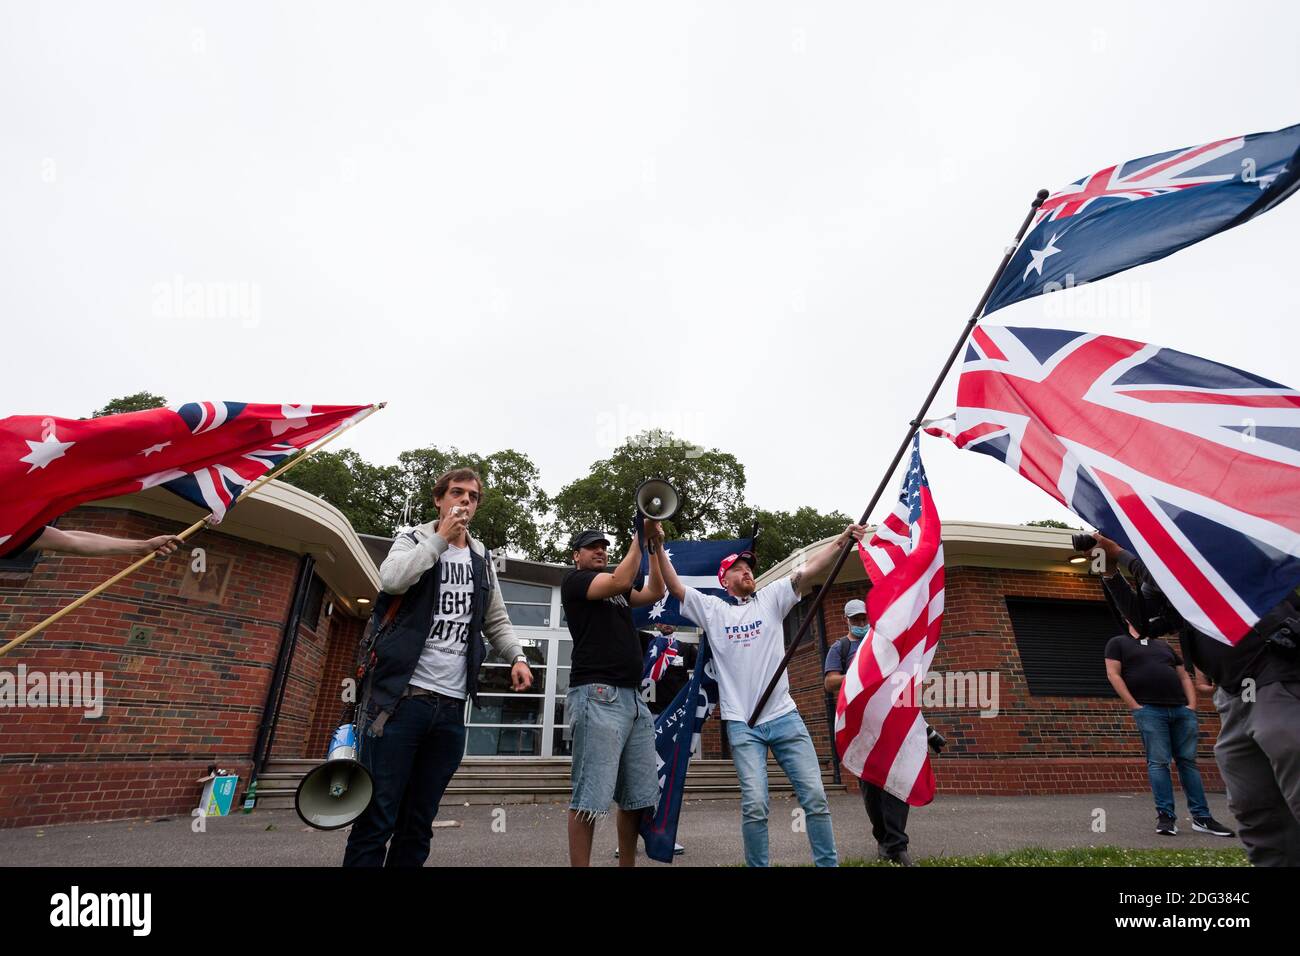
x,y
1151,680
611,726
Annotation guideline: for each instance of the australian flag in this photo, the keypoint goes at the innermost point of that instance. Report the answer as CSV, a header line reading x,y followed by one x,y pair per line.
x,y
206,452
677,736
1145,209
696,564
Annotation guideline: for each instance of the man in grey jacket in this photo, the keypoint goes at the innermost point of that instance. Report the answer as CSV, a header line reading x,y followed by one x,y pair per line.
x,y
439,581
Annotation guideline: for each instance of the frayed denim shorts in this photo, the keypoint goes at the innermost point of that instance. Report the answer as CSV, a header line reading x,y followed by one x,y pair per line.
x,y
613,749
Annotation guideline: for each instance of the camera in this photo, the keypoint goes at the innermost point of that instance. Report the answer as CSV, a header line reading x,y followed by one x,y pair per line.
x,y
1083,542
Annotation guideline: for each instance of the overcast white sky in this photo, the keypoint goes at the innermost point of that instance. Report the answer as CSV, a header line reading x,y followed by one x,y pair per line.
x,y
544,226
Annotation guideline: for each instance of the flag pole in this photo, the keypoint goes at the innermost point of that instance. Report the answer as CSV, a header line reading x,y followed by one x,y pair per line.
x,y
913,427
192,529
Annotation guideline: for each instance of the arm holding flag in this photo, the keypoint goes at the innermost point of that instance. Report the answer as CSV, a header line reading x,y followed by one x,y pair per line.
x,y
818,563
88,544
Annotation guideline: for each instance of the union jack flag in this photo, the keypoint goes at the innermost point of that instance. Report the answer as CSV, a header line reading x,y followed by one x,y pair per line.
x,y
1145,209
1191,465
879,731
206,452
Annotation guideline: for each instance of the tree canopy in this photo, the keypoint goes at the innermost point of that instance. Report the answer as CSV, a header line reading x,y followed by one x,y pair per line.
x,y
130,403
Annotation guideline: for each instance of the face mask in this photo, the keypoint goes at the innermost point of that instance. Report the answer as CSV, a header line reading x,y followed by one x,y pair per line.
x,y
858,631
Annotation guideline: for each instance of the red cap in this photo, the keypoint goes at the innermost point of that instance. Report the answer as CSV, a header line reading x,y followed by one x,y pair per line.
x,y
729,560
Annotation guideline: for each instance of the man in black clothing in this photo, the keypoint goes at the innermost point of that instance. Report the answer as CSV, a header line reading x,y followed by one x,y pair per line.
x,y
612,729
676,673
1257,696
1151,680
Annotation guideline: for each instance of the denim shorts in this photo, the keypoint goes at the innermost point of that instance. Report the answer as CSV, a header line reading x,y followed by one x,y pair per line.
x,y
613,749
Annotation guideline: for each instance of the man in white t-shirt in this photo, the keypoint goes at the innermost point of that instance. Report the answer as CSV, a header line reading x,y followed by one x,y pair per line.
x,y
746,637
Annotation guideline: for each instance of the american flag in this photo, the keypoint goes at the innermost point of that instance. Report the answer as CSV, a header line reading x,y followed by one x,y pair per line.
x,y
1191,465
1144,209
206,452
879,732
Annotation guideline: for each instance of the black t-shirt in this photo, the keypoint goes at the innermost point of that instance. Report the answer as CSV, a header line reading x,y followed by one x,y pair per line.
x,y
1148,670
606,649
1253,657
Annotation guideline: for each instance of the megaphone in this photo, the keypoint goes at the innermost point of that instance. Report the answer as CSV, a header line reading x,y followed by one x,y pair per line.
x,y
339,790
656,499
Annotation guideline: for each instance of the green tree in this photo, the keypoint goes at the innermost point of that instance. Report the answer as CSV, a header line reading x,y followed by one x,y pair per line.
x,y
781,533
711,484
373,497
1049,523
367,494
130,403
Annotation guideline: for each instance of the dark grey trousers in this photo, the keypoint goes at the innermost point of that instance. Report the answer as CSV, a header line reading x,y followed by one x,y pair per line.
x,y
888,816
1258,753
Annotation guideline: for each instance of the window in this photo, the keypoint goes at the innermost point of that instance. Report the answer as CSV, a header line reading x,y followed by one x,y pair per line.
x,y
528,605
1062,645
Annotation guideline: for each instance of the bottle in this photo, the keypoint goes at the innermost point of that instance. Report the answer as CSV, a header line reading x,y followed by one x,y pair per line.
x,y
250,797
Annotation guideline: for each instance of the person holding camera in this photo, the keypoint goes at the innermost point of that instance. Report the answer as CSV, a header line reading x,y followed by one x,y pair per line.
x,y
1257,696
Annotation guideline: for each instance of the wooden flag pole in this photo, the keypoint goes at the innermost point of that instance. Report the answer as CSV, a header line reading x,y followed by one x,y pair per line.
x,y
913,427
192,529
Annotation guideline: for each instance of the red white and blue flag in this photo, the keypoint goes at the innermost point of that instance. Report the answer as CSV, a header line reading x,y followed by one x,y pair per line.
x,y
1191,465
206,452
1144,209
880,734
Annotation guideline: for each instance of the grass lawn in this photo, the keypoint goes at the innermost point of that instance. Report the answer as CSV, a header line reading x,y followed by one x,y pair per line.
x,y
1083,856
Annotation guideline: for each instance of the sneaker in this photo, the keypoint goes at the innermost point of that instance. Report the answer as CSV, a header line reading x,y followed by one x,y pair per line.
x,y
678,849
901,858
1211,826
1166,825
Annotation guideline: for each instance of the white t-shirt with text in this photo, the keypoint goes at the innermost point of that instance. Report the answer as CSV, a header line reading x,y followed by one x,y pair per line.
x,y
747,643
442,662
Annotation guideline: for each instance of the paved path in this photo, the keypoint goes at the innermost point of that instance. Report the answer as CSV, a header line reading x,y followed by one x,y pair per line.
x,y
535,834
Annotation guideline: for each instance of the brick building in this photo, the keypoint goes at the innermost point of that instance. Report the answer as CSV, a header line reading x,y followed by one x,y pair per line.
x,y
242,665
236,662
1016,609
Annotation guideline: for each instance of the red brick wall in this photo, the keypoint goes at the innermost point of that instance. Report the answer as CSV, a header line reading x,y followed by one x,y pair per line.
x,y
340,664
1035,744
190,695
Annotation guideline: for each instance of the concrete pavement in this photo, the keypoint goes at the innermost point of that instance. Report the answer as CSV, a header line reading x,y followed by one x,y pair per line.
x,y
534,834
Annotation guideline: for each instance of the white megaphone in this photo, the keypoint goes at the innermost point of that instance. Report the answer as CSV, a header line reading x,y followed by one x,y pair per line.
x,y
339,790
656,499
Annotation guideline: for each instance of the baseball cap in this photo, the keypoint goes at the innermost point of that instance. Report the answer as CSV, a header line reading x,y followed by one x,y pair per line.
x,y
586,538
729,560
854,608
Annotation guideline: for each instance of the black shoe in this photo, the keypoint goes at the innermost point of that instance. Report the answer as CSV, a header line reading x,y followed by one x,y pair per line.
x,y
1166,825
1211,826
901,858
936,740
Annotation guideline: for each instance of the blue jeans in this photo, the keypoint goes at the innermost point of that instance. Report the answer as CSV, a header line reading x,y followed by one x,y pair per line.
x,y
1169,733
793,749
613,750
411,763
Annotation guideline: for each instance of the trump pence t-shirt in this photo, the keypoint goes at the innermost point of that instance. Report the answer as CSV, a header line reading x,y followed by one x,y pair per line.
x,y
747,643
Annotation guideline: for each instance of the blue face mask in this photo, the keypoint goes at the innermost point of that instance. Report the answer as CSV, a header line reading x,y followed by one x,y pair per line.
x,y
858,632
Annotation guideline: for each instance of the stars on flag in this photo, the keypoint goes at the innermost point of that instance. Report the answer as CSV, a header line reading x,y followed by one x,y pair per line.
x,y
152,449
45,451
1039,256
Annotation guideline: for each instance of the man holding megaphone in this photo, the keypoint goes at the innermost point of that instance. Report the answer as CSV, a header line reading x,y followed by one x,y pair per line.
x,y
612,728
440,599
